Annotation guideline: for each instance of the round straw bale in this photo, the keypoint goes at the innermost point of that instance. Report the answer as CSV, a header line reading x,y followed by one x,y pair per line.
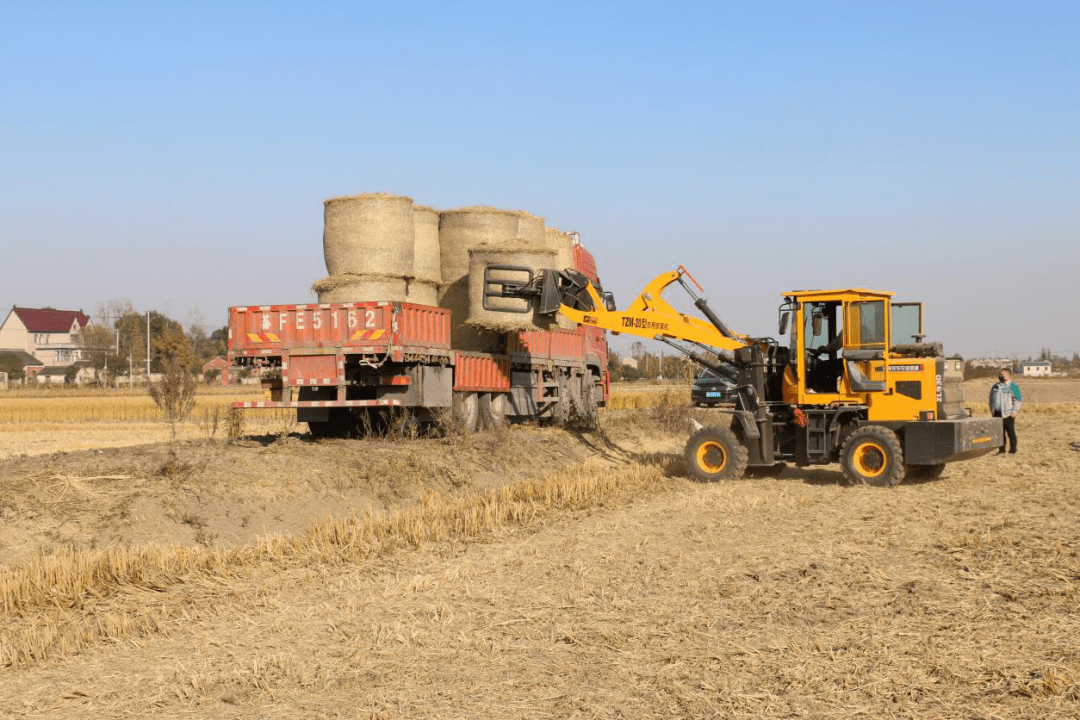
x,y
530,229
462,230
563,245
370,234
427,258
422,293
505,313
348,287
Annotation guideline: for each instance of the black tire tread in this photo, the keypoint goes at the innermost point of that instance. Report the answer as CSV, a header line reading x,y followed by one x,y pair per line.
x,y
895,470
737,454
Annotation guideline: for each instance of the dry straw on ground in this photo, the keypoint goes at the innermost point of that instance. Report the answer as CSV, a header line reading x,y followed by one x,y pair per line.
x,y
608,589
72,598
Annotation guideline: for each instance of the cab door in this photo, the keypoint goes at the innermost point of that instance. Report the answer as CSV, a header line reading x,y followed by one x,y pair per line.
x,y
866,332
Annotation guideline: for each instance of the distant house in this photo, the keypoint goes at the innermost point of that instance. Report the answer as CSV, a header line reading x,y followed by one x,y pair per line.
x,y
1037,368
75,374
30,365
221,365
52,336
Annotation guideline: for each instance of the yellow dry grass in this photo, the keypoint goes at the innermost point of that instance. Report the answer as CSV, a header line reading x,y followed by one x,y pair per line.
x,y
65,601
596,592
100,408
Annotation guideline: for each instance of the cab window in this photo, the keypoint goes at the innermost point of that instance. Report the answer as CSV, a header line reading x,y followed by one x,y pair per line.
x,y
866,324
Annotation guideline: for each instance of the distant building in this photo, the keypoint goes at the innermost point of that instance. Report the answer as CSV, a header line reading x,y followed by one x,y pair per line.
x,y
52,336
1037,368
219,364
30,365
76,374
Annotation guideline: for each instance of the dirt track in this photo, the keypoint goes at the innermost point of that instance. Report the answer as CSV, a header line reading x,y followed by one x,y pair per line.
x,y
793,596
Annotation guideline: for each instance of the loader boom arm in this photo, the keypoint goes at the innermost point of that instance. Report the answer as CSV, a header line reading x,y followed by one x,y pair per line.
x,y
650,316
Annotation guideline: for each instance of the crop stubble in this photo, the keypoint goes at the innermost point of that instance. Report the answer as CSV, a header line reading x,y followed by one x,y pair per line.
x,y
652,596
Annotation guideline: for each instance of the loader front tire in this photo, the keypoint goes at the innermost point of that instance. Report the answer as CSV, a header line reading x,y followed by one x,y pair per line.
x,y
872,455
714,453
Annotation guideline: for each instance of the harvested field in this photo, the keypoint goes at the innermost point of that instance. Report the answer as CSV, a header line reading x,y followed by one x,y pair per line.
x,y
605,585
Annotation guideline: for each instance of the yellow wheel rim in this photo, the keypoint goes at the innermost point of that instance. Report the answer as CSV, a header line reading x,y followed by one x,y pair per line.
x,y
712,456
870,459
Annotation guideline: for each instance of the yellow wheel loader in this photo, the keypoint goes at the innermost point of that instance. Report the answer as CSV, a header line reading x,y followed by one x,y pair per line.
x,y
854,384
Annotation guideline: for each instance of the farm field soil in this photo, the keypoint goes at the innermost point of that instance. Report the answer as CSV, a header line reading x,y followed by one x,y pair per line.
x,y
759,597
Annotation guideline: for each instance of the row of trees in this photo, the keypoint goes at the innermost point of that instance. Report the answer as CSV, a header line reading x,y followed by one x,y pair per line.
x,y
650,367
116,341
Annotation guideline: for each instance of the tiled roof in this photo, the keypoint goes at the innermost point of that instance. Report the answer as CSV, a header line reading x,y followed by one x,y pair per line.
x,y
47,320
24,357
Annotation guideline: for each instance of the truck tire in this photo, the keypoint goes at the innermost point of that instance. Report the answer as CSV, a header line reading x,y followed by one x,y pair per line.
x,y
465,412
590,401
493,410
714,453
872,455
560,410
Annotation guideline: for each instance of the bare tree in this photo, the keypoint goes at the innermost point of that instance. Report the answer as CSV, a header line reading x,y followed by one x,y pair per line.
x,y
174,394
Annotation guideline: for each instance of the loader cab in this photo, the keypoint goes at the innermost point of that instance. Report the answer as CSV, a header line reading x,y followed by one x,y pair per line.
x,y
839,339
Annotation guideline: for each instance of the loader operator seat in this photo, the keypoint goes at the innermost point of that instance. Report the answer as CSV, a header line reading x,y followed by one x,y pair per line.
x,y
824,366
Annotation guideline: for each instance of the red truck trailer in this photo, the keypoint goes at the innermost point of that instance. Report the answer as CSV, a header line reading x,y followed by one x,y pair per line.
x,y
345,366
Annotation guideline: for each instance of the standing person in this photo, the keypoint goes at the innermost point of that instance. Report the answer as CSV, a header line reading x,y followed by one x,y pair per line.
x,y
1005,403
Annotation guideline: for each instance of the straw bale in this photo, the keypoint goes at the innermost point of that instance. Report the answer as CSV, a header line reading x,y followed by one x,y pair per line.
x,y
507,319
427,256
348,287
370,234
422,293
562,245
460,231
530,229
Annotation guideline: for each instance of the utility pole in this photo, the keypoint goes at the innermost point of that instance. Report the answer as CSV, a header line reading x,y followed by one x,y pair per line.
x,y
148,346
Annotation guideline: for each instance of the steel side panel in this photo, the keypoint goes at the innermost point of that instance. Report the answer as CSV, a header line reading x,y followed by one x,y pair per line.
x,y
278,327
481,373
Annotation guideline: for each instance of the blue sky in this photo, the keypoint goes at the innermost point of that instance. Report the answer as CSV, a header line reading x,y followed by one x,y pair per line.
x,y
178,154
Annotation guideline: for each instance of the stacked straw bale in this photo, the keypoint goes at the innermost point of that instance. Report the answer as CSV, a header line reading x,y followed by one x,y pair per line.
x,y
473,228
506,315
563,246
427,257
368,245
350,288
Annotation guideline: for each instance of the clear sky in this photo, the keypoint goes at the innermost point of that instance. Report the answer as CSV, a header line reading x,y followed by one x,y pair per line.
x,y
177,154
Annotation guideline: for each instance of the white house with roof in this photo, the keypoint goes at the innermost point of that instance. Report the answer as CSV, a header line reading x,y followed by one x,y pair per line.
x,y
52,336
1035,368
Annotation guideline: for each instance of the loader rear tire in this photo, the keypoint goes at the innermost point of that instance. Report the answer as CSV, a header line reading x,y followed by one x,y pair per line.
x,y
714,453
872,455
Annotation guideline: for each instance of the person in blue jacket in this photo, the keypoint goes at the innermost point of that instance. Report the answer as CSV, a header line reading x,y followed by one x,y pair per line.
x,y
1005,401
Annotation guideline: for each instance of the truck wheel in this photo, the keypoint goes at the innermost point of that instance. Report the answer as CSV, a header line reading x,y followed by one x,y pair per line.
x,y
465,412
714,453
925,472
560,411
872,456
590,401
493,410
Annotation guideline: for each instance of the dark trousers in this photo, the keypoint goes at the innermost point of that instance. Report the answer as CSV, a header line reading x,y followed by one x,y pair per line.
x,y
1010,432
